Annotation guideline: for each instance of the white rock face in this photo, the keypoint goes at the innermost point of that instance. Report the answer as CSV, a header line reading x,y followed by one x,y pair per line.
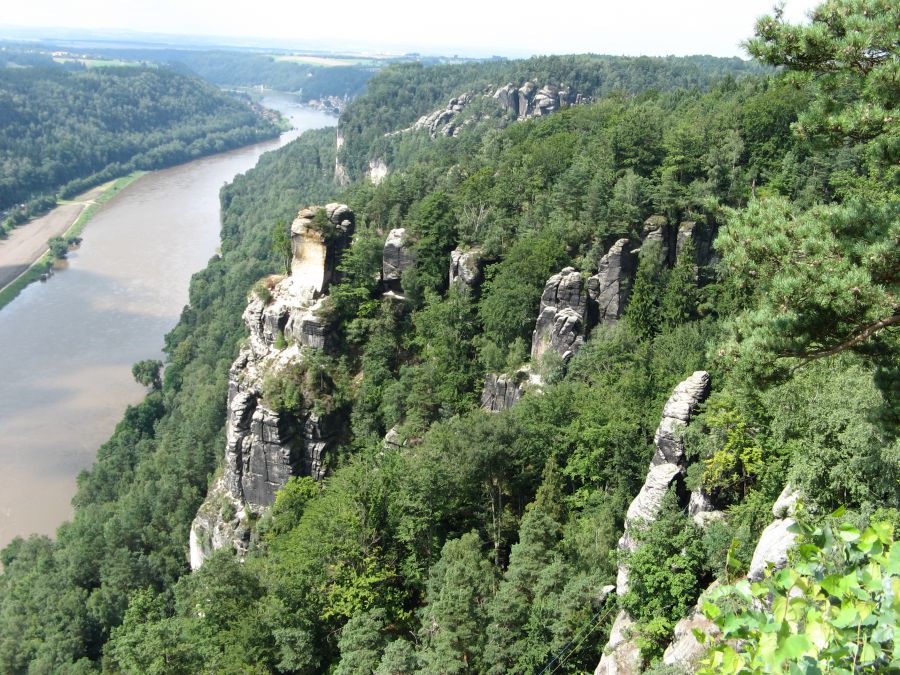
x,y
561,318
775,541
621,655
772,549
465,267
684,650
378,171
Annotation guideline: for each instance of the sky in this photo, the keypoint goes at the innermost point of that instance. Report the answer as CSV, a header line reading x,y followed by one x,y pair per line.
x,y
465,27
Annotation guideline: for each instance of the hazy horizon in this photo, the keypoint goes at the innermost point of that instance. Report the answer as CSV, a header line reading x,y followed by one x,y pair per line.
x,y
643,27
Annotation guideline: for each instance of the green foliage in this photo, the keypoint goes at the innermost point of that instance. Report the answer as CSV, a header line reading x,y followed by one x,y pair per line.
x,y
147,373
823,282
67,131
58,246
431,538
455,615
665,576
834,609
730,448
678,303
848,54
643,314
363,639
512,289
281,245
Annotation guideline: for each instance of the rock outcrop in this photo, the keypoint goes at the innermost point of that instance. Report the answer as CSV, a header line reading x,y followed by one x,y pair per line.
x,y
377,170
531,101
610,288
397,258
685,651
341,175
621,655
562,316
443,122
658,229
501,392
772,549
265,446
465,267
777,539
318,241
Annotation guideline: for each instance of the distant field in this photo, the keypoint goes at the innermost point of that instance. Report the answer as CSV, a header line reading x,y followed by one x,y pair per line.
x,y
100,63
328,61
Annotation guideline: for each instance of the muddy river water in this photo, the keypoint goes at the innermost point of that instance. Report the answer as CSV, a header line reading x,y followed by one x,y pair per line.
x,y
67,345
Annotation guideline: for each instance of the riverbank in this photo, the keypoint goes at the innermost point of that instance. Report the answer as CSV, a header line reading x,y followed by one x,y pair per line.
x,y
24,256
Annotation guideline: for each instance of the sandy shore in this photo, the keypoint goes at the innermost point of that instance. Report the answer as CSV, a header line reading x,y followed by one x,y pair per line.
x,y
27,243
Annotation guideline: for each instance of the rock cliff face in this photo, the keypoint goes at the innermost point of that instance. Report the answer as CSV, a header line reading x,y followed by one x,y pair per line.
x,y
264,446
442,122
621,654
397,258
685,651
377,170
610,287
341,175
562,316
501,392
530,101
465,267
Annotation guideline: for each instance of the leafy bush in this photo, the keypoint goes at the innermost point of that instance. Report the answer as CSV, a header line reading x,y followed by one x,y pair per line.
x,y
834,610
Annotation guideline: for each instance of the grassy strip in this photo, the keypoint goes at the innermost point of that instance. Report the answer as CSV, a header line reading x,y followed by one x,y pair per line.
x,y
11,291
114,188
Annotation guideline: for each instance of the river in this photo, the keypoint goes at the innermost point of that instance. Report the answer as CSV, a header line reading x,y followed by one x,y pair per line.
x,y
67,345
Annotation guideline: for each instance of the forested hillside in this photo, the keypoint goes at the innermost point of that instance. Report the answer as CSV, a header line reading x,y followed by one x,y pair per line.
x,y
449,539
400,94
64,131
230,68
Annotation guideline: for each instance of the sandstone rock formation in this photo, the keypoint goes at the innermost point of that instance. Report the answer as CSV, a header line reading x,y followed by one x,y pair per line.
x,y
442,122
777,539
397,258
341,175
702,510
621,655
501,392
610,288
685,651
562,316
658,229
772,549
702,237
264,446
317,245
377,170
531,101
465,267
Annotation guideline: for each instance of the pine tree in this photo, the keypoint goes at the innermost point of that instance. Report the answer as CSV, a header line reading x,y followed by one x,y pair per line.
x,y
511,647
362,641
679,300
455,616
643,312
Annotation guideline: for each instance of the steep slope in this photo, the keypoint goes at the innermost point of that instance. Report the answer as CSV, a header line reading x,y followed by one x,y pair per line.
x,y
444,537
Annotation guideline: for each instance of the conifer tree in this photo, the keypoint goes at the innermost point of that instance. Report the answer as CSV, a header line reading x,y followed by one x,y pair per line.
x,y
455,616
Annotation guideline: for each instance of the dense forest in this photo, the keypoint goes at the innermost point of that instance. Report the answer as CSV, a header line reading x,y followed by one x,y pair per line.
x,y
65,131
400,94
479,541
